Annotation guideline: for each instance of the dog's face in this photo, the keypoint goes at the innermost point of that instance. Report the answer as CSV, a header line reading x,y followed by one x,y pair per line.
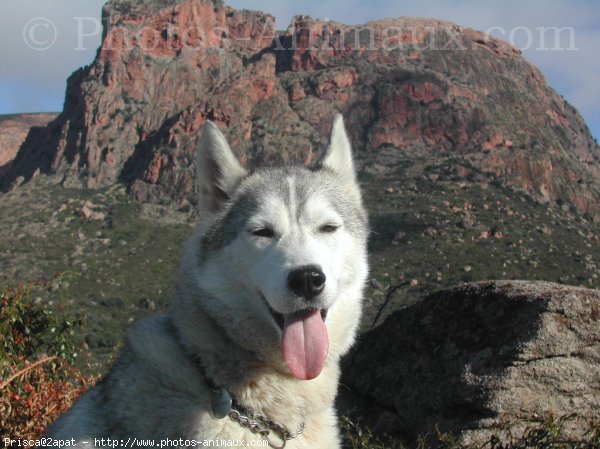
x,y
284,250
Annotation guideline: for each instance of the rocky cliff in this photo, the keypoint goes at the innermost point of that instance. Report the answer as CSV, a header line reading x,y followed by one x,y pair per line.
x,y
407,87
14,129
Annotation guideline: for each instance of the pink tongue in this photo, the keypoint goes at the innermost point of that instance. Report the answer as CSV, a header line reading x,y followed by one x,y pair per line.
x,y
305,344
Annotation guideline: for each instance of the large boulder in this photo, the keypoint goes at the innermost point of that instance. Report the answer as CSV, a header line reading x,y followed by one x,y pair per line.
x,y
478,356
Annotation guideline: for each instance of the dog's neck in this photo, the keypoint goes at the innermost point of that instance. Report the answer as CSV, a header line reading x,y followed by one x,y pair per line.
x,y
225,362
224,404
248,376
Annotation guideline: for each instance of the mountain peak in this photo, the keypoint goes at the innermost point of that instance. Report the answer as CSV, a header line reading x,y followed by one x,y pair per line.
x,y
408,87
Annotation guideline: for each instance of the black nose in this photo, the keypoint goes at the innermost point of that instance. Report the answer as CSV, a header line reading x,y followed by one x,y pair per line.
x,y
307,281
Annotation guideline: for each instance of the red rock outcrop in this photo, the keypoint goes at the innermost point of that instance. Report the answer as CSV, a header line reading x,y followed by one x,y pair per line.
x,y
407,87
13,131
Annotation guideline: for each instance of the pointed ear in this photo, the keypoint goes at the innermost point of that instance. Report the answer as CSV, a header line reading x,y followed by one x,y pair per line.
x,y
338,157
218,171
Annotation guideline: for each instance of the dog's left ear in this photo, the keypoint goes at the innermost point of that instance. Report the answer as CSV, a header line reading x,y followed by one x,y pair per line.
x,y
218,170
338,157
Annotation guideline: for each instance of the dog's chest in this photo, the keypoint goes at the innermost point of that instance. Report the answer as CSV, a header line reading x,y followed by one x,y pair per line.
x,y
318,433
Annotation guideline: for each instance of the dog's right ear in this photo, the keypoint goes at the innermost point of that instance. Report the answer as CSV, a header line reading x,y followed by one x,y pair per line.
x,y
218,171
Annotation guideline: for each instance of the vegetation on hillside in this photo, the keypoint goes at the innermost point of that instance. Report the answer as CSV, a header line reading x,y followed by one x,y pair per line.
x,y
37,379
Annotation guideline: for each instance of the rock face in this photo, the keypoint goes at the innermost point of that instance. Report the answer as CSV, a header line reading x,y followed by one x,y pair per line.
x,y
14,130
475,356
406,87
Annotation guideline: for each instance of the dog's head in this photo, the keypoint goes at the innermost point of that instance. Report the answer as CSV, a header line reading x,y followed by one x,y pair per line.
x,y
282,252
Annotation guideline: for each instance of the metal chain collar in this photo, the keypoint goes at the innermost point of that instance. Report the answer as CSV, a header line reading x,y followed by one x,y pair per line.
x,y
222,402
264,426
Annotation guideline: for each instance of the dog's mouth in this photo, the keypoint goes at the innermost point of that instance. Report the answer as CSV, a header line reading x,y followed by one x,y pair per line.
x,y
280,318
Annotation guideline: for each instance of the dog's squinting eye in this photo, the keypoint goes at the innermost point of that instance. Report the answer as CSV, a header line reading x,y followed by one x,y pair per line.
x,y
263,232
328,228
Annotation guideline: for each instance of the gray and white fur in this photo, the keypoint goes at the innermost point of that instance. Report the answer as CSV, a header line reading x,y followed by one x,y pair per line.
x,y
268,300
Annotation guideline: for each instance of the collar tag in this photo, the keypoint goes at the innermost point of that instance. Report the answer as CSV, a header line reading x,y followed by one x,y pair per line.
x,y
220,402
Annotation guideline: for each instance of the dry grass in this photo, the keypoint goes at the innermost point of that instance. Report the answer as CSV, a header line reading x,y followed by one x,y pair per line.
x,y
547,432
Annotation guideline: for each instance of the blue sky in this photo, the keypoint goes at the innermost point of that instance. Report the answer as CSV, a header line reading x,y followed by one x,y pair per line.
x,y
43,41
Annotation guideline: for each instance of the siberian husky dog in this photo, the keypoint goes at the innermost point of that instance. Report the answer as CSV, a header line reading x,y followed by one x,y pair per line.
x,y
268,300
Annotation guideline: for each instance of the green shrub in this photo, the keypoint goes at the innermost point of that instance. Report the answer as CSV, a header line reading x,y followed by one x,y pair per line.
x,y
37,382
31,329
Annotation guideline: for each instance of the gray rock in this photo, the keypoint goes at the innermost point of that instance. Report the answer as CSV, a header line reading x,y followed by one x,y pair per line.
x,y
478,356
